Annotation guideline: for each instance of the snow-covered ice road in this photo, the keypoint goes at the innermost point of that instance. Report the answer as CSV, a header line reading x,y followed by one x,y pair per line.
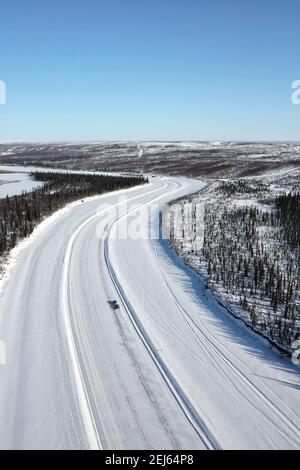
x,y
168,370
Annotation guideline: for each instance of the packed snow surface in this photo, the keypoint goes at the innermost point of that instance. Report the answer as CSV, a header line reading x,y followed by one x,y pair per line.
x,y
168,370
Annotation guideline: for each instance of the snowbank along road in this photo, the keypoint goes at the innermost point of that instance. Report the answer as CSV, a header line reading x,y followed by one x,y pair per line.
x,y
169,369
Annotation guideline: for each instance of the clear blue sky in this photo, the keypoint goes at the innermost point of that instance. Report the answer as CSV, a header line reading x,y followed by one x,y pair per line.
x,y
149,69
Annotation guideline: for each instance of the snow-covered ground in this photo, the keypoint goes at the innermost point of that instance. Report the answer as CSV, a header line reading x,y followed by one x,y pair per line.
x,y
226,243
168,370
191,158
14,182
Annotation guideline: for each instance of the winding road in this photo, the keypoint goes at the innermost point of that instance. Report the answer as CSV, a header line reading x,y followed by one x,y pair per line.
x,y
168,370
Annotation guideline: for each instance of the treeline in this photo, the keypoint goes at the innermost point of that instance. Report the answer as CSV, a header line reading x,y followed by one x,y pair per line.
x,y
289,214
230,188
249,255
254,256
20,214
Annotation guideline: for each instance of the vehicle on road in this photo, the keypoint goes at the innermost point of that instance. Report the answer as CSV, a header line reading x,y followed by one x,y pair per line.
x,y
115,304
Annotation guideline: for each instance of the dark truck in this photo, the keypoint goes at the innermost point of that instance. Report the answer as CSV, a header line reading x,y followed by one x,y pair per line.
x,y
115,305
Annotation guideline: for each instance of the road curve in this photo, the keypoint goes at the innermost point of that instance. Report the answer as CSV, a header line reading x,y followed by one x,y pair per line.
x,y
168,370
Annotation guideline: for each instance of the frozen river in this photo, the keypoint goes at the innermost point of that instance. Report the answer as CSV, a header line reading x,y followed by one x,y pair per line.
x,y
15,180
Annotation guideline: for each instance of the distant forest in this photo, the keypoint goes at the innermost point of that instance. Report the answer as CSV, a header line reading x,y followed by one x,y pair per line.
x,y
20,214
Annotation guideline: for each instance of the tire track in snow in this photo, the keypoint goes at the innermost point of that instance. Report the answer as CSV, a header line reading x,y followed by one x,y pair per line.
x,y
291,427
79,380
187,407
